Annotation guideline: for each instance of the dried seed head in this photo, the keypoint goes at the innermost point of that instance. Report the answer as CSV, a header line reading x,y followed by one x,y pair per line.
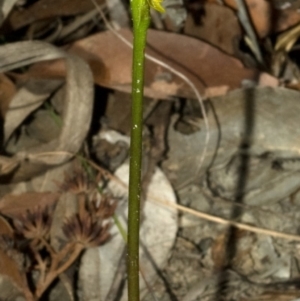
x,y
82,229
34,224
78,182
104,208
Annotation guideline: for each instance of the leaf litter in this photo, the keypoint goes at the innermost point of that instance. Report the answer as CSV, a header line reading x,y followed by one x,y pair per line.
x,y
65,108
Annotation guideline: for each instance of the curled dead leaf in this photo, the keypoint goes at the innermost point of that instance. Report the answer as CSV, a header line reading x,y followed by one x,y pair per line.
x,y
78,98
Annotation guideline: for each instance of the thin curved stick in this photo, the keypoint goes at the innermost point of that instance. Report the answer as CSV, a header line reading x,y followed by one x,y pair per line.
x,y
201,215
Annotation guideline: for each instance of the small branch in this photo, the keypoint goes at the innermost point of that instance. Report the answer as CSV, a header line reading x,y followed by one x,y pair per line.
x,y
41,264
78,249
53,274
60,256
48,247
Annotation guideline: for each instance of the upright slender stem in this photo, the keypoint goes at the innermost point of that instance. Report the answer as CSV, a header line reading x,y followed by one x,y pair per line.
x,y
141,20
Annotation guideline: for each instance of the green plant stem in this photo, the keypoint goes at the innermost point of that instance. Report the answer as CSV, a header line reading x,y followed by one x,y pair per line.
x,y
141,19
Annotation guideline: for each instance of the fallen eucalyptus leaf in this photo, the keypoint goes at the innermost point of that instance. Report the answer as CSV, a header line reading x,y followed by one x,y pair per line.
x,y
243,117
47,9
14,205
12,281
78,98
110,61
31,96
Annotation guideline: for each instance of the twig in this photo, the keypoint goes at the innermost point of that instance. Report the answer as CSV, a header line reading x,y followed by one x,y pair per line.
x,y
55,270
77,250
48,247
223,221
41,264
215,219
203,215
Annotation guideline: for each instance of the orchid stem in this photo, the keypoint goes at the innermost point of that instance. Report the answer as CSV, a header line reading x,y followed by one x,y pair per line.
x,y
141,19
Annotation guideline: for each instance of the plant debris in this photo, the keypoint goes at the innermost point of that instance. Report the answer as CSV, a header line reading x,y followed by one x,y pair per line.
x,y
64,114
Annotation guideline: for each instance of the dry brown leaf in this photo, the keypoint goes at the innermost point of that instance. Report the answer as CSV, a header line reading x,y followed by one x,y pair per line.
x,y
47,9
110,61
12,279
28,98
7,91
267,18
10,272
14,205
218,25
286,18
5,228
78,98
